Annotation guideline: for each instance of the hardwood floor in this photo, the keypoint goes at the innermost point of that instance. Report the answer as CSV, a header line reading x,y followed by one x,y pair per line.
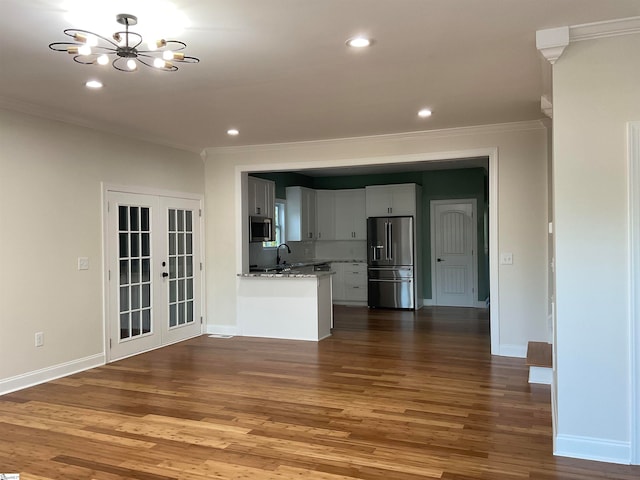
x,y
391,395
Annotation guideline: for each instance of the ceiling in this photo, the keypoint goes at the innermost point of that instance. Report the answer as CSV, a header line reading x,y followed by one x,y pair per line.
x,y
279,70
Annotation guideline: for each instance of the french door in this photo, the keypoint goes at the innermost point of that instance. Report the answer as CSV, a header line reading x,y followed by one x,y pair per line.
x,y
154,277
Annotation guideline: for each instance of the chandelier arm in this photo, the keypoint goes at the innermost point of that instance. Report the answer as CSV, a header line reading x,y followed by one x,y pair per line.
x,y
72,31
115,62
143,60
127,34
62,47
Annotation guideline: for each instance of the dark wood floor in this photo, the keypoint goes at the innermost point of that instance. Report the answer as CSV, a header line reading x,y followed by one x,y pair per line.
x,y
391,395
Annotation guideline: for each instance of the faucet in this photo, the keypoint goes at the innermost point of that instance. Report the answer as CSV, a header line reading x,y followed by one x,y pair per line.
x,y
278,252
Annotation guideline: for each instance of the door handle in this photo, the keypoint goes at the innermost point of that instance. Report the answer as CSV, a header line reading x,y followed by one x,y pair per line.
x,y
440,260
165,274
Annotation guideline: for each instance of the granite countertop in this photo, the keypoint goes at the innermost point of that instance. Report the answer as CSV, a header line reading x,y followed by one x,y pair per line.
x,y
292,274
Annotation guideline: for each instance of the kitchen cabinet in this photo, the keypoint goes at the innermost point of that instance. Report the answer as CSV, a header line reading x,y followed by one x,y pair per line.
x,y
325,215
349,283
350,214
382,200
300,214
262,198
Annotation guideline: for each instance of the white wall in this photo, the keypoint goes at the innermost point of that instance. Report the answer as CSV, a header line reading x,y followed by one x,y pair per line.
x,y
522,185
596,91
50,214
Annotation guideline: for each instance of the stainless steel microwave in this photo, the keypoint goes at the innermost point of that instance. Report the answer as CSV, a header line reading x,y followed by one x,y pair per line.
x,y
260,229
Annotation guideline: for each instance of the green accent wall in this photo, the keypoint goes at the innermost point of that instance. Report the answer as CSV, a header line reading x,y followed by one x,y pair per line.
x,y
436,185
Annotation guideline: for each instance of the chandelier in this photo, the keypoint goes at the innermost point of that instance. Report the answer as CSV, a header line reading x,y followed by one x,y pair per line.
x,y
123,52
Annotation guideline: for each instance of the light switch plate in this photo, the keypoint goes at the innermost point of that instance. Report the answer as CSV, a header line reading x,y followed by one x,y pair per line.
x,y
506,259
83,263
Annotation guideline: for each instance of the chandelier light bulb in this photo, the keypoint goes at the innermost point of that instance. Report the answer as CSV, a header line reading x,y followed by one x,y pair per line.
x,y
131,64
359,42
424,113
84,50
167,55
233,132
103,59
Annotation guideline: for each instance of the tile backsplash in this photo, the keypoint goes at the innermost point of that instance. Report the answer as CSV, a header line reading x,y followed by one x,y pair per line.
x,y
301,251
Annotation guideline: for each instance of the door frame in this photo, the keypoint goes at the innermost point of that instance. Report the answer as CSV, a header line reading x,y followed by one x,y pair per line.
x,y
474,243
107,188
633,139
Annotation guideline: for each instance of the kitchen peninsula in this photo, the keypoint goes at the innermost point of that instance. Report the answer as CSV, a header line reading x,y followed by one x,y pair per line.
x,y
294,304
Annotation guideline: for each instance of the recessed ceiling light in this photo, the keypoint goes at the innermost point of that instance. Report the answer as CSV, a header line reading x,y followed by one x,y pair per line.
x,y
93,84
359,42
233,132
424,113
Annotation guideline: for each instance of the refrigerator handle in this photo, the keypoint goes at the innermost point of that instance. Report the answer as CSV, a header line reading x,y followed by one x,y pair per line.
x,y
390,241
386,240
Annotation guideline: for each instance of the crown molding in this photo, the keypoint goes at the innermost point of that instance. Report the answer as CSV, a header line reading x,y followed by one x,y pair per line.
x,y
49,114
552,42
609,28
495,128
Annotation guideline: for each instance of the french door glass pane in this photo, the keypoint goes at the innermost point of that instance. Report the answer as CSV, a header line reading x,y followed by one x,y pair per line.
x,y
135,271
180,267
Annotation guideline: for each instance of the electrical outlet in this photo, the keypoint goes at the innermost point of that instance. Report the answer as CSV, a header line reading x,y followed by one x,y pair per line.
x,y
39,339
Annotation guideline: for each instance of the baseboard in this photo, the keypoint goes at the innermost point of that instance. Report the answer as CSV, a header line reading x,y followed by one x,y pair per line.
x,y
223,330
43,375
588,448
430,302
542,375
518,351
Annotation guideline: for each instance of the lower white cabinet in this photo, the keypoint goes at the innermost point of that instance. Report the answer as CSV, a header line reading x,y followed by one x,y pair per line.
x,y
349,283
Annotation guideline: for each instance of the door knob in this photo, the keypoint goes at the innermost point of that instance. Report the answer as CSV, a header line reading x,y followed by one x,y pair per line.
x,y
165,274
440,260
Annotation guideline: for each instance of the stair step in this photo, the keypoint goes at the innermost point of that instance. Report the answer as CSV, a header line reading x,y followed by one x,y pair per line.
x,y
539,354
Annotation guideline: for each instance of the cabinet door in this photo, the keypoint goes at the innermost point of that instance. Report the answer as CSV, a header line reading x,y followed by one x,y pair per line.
x,y
359,216
403,200
325,215
300,214
308,214
261,197
378,201
351,222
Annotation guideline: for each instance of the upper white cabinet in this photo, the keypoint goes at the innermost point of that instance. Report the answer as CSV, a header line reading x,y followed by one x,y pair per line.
x,y
300,214
350,214
262,197
382,200
325,215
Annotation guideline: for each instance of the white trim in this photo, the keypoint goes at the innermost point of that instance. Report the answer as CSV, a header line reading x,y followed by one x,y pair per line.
x,y
494,268
242,247
633,134
496,128
541,375
47,374
428,302
222,330
607,28
474,241
552,42
516,351
588,448
77,120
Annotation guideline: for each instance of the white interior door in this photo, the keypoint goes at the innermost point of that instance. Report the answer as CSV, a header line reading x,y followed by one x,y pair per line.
x,y
453,258
154,278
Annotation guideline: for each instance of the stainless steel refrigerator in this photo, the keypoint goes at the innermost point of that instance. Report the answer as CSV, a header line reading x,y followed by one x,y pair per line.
x,y
390,259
